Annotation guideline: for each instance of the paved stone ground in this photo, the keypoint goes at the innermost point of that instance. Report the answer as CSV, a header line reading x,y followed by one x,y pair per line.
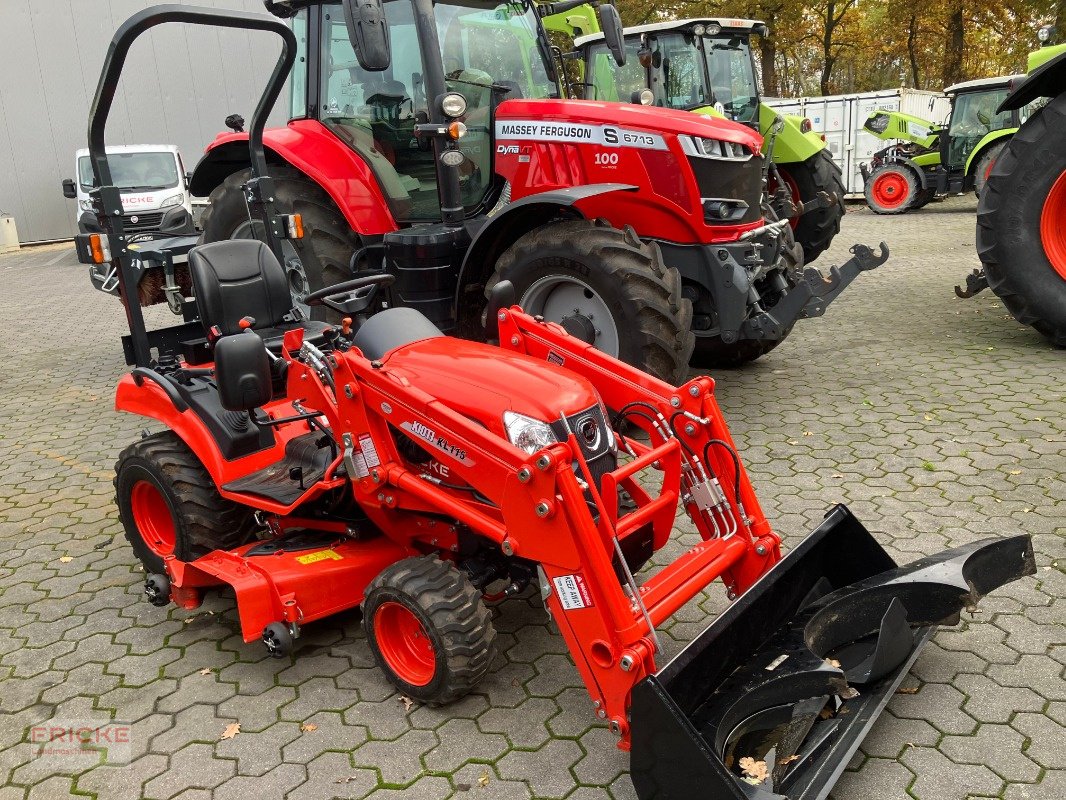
x,y
938,420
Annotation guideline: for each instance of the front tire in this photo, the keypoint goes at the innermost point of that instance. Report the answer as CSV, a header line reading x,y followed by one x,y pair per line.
x,y
428,629
606,287
1021,223
892,189
815,230
169,505
321,258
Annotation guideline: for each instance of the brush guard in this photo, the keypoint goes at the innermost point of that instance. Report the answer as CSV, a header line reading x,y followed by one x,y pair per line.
x,y
796,671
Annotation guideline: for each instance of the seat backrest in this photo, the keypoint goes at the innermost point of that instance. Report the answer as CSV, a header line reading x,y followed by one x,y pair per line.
x,y
238,278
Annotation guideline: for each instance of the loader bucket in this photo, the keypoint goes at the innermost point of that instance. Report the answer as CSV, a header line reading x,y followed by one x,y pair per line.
x,y
795,672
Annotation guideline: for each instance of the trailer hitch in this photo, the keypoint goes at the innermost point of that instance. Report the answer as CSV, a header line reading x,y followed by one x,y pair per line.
x,y
976,282
824,290
794,674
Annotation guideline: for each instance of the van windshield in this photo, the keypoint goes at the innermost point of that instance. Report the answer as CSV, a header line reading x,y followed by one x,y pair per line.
x,y
141,172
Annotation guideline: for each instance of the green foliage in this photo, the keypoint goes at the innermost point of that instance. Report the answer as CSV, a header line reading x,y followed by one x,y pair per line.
x,y
836,46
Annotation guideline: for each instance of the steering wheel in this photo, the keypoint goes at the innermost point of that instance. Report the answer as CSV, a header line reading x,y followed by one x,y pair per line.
x,y
351,297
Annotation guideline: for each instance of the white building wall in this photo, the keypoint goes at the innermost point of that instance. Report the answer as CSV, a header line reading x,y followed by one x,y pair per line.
x,y
179,84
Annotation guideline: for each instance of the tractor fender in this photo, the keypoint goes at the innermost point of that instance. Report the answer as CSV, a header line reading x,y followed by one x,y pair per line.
x,y
311,148
988,140
151,399
516,219
1047,80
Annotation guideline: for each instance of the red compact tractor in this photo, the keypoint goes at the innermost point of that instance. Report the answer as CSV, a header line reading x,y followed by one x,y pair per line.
x,y
383,465
429,139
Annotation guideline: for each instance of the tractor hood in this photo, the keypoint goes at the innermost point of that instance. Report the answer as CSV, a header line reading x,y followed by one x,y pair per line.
x,y
577,114
481,382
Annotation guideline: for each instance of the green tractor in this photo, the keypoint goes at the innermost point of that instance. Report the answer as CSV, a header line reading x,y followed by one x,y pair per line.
x,y
1021,217
925,161
706,66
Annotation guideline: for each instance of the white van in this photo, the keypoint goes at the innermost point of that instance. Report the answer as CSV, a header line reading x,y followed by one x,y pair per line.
x,y
154,186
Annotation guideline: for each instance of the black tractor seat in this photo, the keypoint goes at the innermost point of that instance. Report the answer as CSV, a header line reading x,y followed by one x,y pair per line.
x,y
241,278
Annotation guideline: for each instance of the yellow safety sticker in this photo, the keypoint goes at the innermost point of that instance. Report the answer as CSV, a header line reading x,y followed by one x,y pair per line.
x,y
321,555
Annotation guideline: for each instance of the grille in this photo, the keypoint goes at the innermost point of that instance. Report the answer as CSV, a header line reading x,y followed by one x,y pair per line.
x,y
147,221
734,180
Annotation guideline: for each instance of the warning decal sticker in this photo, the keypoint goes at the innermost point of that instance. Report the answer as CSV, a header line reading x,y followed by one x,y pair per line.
x,y
370,453
572,591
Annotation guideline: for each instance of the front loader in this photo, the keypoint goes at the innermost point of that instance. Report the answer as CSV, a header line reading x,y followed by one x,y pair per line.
x,y
380,464
706,66
437,147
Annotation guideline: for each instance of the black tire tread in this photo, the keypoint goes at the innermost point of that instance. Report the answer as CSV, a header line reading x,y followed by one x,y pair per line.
x,y
816,229
205,521
1010,275
662,335
455,610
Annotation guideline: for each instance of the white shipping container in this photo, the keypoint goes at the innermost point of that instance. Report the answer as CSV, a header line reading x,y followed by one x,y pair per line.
x,y
840,118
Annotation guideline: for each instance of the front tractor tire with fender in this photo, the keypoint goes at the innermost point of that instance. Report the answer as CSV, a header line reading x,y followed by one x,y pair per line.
x,y
169,505
815,230
1021,223
322,258
892,189
429,629
606,287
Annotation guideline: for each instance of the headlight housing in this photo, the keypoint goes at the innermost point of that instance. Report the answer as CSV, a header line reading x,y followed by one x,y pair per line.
x,y
170,202
86,204
453,104
527,433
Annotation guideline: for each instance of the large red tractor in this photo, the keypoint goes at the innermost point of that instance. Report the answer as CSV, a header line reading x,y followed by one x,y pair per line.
x,y
381,464
436,148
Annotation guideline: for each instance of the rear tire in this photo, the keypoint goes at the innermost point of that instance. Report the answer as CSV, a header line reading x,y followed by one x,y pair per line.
x,y
985,165
168,503
428,629
1021,223
815,230
322,258
614,271
892,189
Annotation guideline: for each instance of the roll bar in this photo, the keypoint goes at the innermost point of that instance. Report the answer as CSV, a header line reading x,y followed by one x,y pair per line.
x,y
108,201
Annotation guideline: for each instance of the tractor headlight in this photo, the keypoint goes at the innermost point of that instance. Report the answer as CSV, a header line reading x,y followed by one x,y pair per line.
x,y
453,104
527,433
86,204
1045,33
647,97
699,30
170,202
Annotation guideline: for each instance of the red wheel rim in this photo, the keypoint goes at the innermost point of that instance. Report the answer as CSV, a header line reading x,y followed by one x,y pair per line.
x,y
792,187
153,519
890,189
404,644
1053,226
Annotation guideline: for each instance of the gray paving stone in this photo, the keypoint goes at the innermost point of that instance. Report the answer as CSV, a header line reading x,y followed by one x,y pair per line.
x,y
996,746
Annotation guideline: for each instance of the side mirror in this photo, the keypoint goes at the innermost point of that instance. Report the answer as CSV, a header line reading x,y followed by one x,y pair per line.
x,y
70,191
369,33
611,25
242,372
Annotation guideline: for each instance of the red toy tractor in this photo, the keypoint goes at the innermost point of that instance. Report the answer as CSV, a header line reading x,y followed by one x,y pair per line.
x,y
383,465
434,144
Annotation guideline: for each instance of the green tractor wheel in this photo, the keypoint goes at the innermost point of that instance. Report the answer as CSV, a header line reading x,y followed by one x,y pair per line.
x,y
814,231
892,189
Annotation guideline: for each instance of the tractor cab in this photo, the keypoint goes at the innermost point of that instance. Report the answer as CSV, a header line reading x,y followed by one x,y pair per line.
x,y
974,128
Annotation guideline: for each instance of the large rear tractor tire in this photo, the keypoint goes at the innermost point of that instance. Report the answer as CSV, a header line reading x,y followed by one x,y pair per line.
x,y
429,630
168,504
815,230
1021,223
711,352
892,189
606,287
321,258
